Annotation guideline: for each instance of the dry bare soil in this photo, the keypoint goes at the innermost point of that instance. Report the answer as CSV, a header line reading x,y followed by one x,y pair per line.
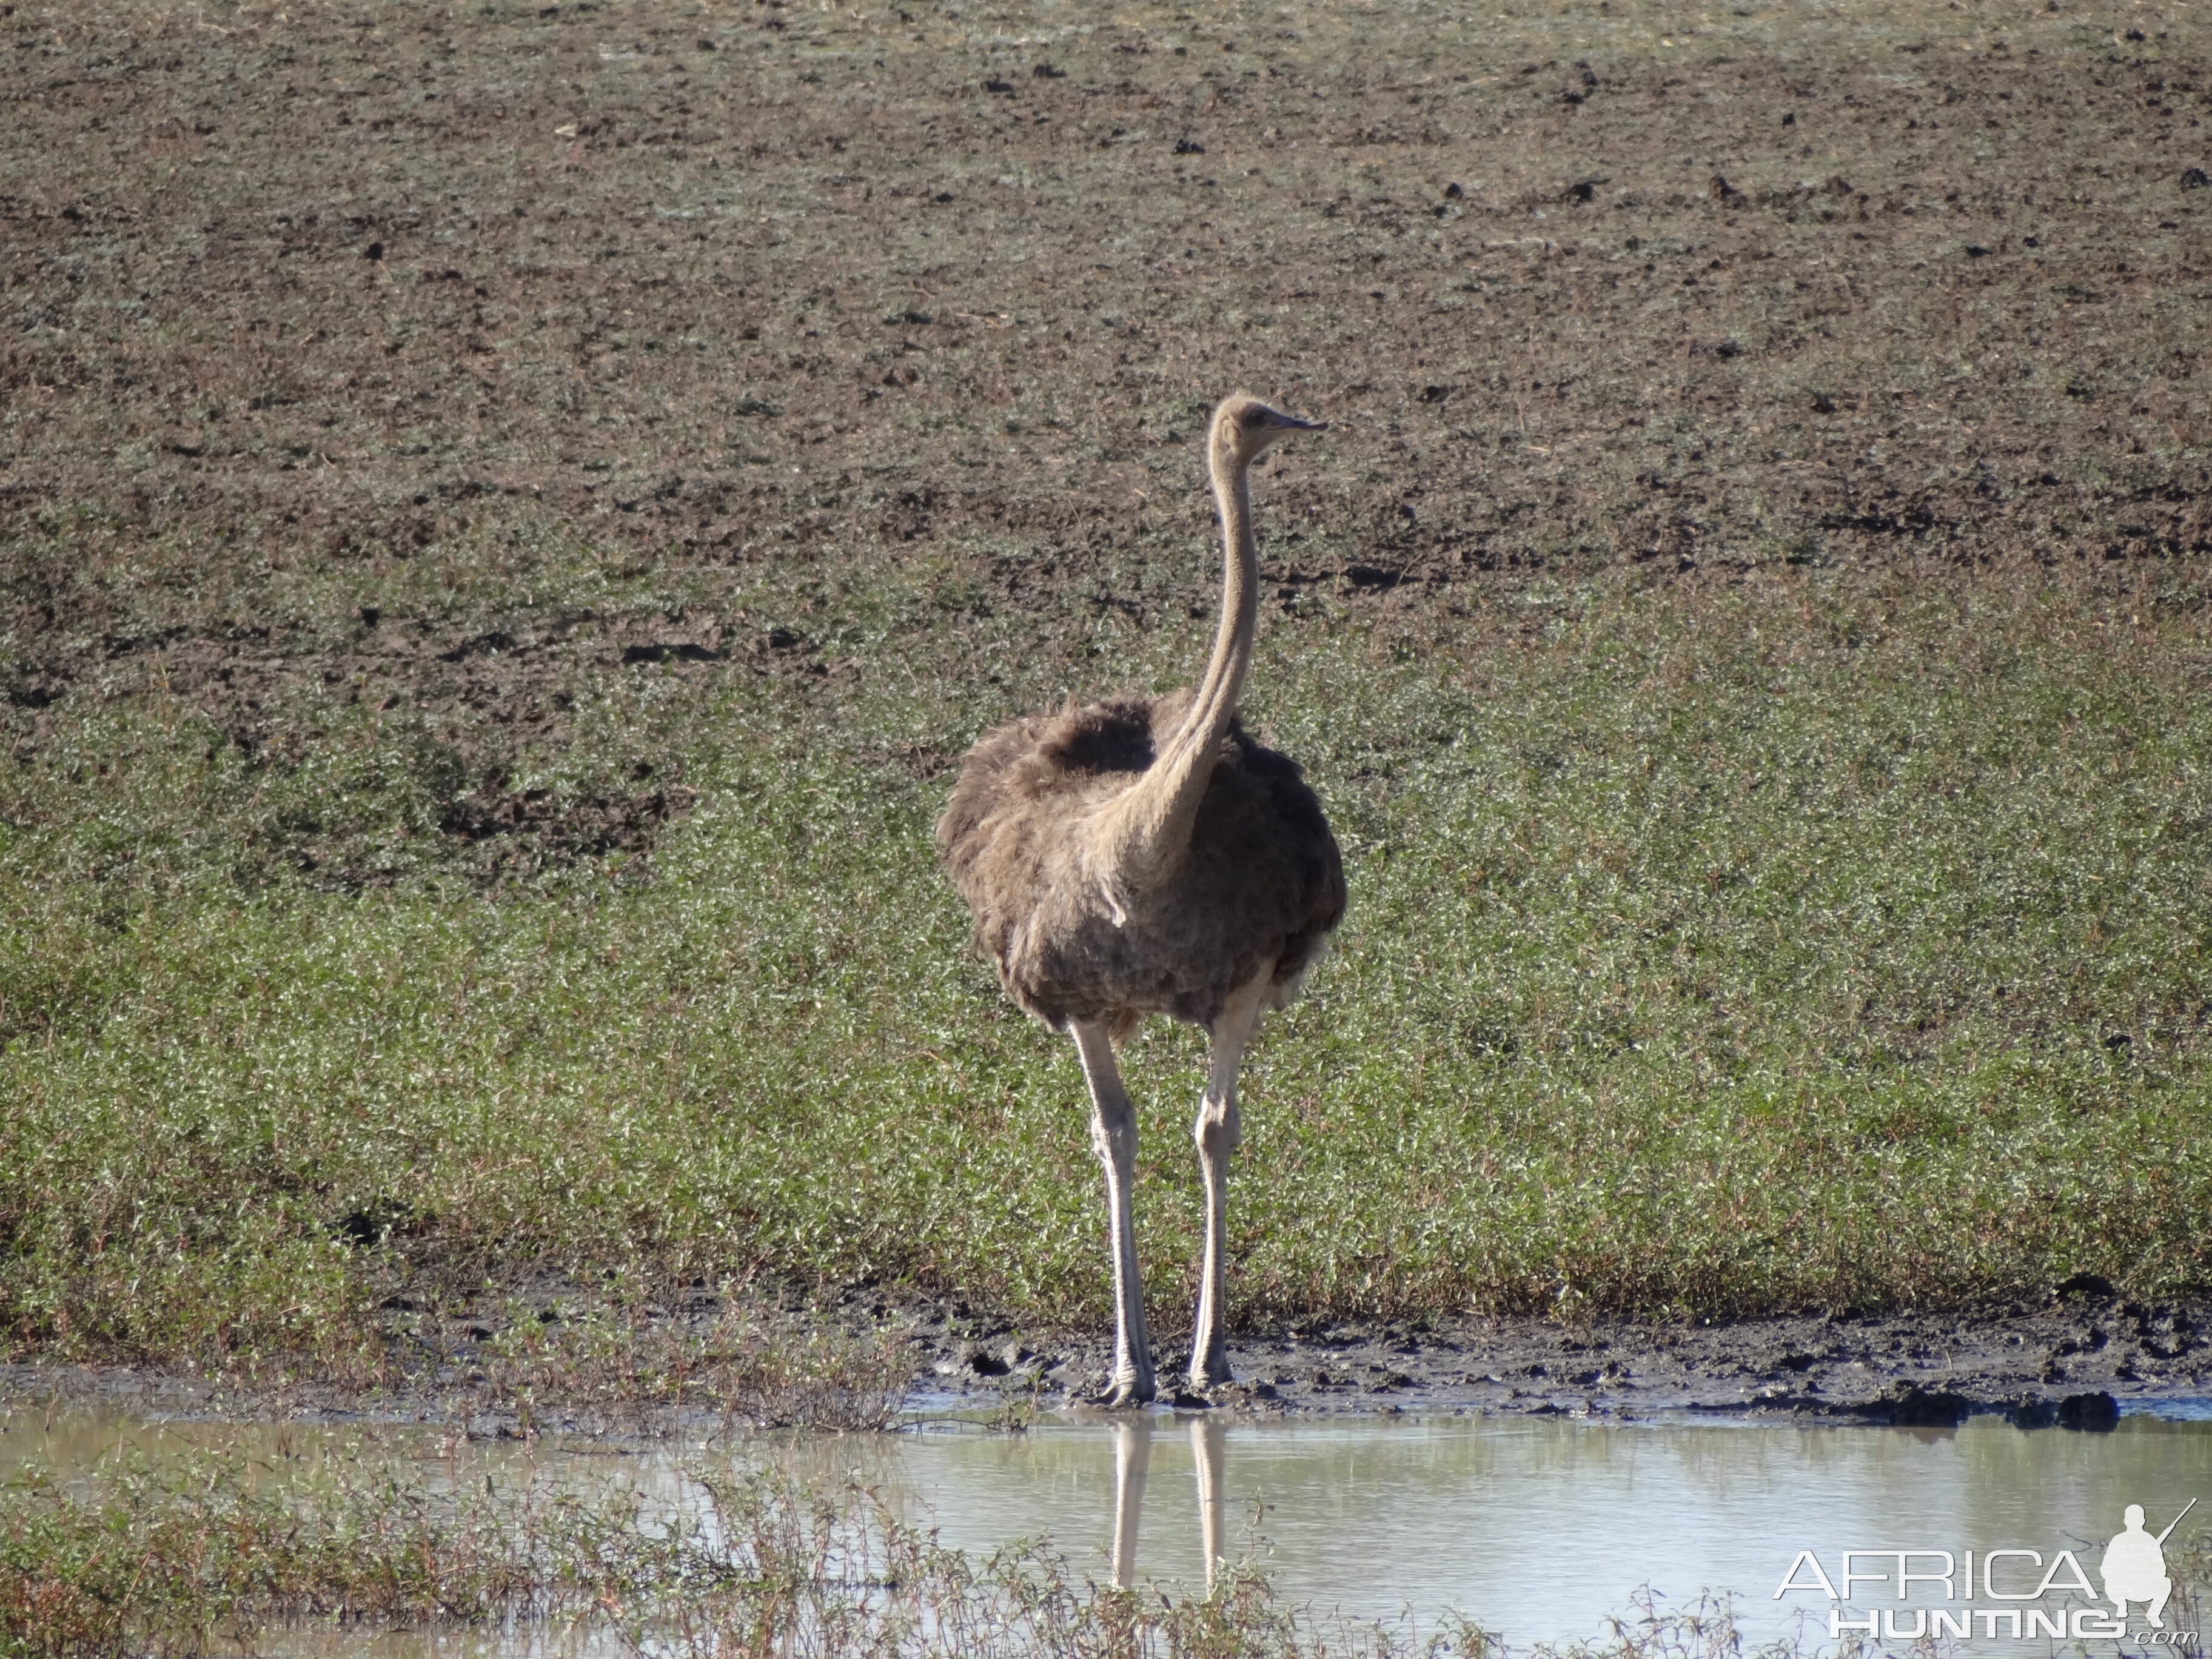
x,y
292,295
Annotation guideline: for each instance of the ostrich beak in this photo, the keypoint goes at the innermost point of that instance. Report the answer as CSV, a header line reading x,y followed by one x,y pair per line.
x,y
1292,423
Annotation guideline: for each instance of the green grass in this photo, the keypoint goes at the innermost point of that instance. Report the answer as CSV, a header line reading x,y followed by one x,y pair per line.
x,y
1714,948
191,1557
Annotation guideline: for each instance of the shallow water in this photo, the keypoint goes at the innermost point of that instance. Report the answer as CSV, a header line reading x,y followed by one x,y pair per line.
x,y
1538,1530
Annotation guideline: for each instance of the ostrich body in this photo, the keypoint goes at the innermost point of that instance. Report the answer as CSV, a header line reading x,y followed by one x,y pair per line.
x,y
1143,855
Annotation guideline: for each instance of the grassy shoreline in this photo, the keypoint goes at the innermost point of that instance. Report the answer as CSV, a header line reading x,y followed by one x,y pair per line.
x,y
1703,963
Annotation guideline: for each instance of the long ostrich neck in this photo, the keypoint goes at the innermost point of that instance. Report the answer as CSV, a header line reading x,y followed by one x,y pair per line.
x,y
1215,701
1148,828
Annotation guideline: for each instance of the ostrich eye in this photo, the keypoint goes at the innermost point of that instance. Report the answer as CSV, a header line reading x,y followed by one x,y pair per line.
x,y
1252,417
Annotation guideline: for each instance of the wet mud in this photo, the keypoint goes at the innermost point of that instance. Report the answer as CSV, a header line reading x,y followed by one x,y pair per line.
x,y
2077,1362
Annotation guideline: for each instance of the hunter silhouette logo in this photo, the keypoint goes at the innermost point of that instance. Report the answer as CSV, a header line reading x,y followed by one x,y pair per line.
x,y
2135,1566
2035,1598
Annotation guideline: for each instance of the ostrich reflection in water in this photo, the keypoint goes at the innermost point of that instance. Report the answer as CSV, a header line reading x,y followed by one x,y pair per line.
x,y
1132,1459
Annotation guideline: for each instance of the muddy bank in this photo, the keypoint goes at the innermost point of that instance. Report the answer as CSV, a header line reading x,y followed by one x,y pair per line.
x,y
2076,1362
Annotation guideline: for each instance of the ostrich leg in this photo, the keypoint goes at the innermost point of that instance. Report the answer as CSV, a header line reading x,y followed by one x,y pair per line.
x,y
1132,1458
1114,1133
1216,1133
1207,1455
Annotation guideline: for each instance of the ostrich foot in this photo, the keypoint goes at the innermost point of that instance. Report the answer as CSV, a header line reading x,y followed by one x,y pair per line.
x,y
1209,1373
1125,1394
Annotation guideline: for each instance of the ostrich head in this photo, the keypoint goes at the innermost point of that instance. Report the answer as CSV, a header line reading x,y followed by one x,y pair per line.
x,y
1244,428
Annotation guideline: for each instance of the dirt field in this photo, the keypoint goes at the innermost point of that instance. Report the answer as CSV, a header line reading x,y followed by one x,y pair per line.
x,y
296,295
434,435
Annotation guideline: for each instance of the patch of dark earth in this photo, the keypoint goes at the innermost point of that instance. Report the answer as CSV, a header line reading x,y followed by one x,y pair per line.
x,y
2078,1361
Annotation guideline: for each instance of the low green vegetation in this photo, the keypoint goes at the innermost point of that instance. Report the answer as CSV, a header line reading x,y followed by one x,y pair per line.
x,y
189,1558
1794,940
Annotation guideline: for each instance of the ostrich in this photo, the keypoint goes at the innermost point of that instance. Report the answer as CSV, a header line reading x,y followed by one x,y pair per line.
x,y
1143,855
